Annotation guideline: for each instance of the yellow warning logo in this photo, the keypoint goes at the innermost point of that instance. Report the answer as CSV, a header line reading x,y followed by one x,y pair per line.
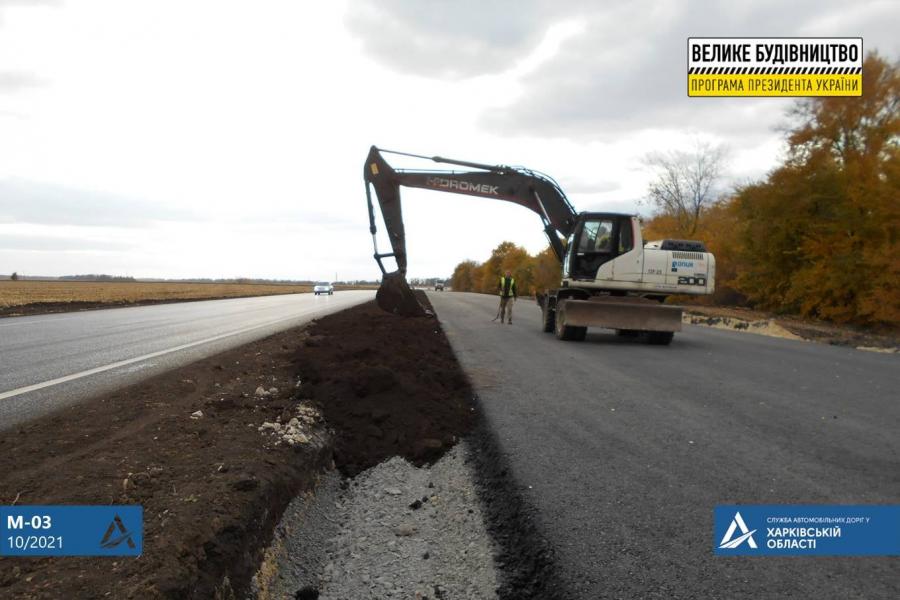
x,y
785,67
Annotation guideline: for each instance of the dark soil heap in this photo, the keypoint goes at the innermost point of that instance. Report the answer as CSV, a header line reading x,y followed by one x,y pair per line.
x,y
388,385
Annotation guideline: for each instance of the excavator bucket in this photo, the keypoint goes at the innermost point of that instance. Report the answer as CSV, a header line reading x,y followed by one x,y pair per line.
x,y
395,296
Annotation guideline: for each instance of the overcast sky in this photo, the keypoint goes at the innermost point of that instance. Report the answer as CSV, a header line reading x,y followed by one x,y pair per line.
x,y
220,139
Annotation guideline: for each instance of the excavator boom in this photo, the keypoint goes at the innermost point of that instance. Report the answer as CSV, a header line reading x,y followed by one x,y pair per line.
x,y
535,191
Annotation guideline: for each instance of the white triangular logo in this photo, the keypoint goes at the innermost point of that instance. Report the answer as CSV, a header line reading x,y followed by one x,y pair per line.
x,y
738,523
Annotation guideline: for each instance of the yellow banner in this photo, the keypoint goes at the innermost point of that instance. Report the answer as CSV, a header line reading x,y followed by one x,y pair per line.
x,y
775,85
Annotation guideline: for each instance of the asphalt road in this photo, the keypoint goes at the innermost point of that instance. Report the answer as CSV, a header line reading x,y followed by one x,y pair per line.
x,y
624,449
51,361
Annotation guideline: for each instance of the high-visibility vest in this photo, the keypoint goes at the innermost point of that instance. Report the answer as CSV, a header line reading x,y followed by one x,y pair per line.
x,y
512,286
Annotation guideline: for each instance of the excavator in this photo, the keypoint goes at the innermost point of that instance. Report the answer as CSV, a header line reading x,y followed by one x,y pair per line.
x,y
610,277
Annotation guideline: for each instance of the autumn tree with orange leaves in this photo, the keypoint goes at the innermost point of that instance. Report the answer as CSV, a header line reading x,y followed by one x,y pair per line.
x,y
533,274
821,236
818,237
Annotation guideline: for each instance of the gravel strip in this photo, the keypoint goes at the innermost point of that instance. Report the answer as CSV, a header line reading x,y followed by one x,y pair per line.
x,y
394,531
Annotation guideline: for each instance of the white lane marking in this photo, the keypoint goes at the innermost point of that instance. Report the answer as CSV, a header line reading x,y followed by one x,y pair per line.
x,y
130,361
35,321
139,367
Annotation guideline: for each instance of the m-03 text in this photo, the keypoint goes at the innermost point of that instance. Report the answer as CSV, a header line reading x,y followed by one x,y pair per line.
x,y
35,522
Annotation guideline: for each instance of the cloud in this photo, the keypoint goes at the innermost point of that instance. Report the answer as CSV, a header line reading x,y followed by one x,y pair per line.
x,y
610,80
576,186
28,202
613,79
6,4
45,243
24,201
448,40
15,81
12,81
290,219
624,72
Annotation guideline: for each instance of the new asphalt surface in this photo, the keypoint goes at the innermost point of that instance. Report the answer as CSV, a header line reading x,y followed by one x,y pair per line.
x,y
51,361
623,449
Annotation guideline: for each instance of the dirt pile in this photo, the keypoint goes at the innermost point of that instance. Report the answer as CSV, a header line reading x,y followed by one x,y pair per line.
x,y
388,385
396,297
760,326
755,321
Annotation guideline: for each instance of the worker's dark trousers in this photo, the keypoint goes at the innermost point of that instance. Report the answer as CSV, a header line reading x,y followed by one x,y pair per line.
x,y
506,305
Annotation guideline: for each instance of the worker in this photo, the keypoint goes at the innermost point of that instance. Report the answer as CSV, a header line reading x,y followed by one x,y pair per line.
x,y
507,297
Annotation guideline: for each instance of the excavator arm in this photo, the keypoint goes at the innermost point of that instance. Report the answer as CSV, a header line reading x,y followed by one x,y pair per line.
x,y
535,191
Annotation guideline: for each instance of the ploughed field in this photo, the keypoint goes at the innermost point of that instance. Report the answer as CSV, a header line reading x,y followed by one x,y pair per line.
x,y
33,297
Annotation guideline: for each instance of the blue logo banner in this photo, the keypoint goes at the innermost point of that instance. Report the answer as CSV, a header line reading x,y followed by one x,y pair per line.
x,y
116,530
807,530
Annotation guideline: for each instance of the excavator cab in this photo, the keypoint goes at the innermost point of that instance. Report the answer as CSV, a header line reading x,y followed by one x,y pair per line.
x,y
598,238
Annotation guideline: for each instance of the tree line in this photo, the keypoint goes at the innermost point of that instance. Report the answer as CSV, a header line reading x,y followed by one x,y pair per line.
x,y
533,274
819,236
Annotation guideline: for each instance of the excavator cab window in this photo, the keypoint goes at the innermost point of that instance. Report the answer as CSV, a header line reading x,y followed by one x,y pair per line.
x,y
598,241
596,236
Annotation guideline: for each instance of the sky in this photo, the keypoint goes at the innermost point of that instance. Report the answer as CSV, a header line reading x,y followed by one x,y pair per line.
x,y
198,138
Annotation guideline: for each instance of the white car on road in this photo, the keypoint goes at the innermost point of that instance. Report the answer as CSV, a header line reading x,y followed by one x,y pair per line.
x,y
323,288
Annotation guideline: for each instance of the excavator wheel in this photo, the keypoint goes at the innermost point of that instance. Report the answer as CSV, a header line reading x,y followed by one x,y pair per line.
x,y
548,318
660,338
568,332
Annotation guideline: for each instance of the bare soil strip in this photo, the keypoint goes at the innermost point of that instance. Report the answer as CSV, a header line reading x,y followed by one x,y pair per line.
x,y
212,486
48,308
213,483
